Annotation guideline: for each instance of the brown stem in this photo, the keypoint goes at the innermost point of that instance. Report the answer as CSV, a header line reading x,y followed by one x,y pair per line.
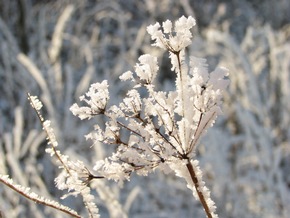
x,y
197,188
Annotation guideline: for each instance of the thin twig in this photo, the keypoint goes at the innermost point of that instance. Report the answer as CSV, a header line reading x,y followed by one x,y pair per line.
x,y
37,199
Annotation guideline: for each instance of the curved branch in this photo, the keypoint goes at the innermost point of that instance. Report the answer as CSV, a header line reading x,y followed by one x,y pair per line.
x,y
36,198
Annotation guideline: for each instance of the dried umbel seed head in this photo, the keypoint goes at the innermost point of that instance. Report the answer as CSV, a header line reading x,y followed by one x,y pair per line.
x,y
160,130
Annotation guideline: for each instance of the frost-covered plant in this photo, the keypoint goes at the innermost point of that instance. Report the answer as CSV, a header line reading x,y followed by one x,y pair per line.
x,y
152,129
155,129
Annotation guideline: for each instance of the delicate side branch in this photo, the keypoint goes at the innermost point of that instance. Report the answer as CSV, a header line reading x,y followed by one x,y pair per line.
x,y
75,176
25,192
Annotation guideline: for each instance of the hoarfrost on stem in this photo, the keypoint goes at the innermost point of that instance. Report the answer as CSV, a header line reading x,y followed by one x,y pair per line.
x,y
162,129
26,192
75,175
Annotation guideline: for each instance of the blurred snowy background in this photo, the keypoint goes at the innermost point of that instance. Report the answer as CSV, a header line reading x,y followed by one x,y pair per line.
x,y
56,49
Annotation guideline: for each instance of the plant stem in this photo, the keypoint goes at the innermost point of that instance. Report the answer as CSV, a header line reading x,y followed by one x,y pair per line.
x,y
38,199
197,188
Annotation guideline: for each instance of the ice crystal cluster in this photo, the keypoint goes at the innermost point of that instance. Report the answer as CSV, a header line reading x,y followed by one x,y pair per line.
x,y
158,130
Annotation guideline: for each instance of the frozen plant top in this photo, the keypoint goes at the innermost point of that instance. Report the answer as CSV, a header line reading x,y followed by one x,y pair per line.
x,y
160,130
172,39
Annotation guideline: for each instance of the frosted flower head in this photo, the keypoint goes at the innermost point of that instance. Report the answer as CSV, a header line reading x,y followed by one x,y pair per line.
x,y
167,26
147,69
128,75
96,99
172,39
